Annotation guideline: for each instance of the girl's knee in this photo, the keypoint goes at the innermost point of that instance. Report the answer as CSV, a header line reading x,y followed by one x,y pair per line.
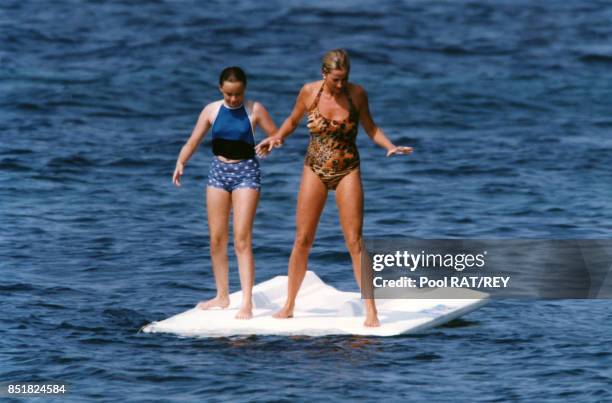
x,y
242,243
218,243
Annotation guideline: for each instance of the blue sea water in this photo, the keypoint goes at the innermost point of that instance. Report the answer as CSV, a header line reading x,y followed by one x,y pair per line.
x,y
507,104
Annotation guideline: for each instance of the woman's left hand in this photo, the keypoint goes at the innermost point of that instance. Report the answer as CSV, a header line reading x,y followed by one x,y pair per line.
x,y
399,150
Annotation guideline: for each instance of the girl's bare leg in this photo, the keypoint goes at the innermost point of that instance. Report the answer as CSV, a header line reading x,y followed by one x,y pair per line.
x,y
349,199
244,202
218,205
311,200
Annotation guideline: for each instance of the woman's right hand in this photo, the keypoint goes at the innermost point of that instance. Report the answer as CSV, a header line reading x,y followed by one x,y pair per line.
x,y
265,146
178,172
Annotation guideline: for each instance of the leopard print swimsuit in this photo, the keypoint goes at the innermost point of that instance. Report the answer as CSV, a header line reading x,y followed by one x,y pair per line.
x,y
332,153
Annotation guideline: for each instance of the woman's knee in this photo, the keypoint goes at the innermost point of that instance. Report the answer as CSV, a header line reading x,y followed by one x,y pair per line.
x,y
354,243
303,240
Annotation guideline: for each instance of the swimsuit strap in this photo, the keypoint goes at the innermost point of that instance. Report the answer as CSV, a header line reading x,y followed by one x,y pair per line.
x,y
352,108
316,100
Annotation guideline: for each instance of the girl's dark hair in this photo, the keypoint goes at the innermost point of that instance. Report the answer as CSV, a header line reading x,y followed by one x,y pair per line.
x,y
233,74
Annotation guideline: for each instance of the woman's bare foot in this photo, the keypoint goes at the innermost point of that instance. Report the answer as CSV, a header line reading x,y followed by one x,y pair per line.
x,y
371,319
245,312
217,302
285,313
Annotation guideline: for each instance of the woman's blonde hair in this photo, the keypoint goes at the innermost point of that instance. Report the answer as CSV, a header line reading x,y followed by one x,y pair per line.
x,y
336,59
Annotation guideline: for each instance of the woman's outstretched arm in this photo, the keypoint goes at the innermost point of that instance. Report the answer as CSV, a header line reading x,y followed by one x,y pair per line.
x,y
373,131
288,126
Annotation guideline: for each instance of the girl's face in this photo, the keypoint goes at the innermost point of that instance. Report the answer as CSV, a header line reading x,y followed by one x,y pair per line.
x,y
233,93
336,80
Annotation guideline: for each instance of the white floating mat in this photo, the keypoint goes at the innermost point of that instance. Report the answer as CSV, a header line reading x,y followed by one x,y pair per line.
x,y
320,310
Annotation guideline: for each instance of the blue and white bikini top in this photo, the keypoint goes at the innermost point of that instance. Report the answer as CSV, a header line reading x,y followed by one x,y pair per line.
x,y
233,136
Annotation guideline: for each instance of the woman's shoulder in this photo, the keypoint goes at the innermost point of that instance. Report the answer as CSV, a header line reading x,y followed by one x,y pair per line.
x,y
309,92
355,90
357,94
311,87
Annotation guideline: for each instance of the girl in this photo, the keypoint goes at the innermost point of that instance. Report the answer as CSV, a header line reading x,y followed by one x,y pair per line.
x,y
233,181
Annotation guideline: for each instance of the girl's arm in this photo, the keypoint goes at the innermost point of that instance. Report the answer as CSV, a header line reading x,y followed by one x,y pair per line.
x,y
263,119
373,131
198,133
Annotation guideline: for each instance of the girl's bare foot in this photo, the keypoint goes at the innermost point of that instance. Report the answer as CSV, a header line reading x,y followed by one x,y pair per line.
x,y
217,302
245,312
285,313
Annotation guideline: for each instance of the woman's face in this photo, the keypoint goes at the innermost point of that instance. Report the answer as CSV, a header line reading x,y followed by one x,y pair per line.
x,y
336,80
233,93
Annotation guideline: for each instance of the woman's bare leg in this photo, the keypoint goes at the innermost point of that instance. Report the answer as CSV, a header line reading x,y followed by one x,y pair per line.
x,y
311,200
349,199
218,205
244,203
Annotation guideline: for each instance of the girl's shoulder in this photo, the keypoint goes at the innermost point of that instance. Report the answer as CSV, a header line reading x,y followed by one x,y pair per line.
x,y
211,110
253,107
213,106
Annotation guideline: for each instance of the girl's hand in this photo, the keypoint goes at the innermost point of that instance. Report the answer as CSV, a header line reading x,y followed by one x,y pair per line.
x,y
178,172
399,150
263,149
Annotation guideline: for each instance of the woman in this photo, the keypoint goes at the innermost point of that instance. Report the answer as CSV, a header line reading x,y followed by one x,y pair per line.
x,y
334,107
233,181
